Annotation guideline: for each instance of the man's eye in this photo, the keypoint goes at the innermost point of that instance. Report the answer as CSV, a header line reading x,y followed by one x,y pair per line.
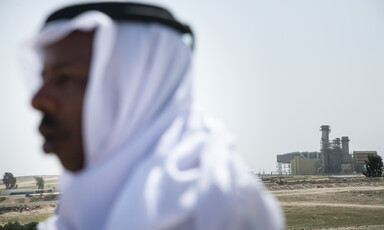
x,y
71,82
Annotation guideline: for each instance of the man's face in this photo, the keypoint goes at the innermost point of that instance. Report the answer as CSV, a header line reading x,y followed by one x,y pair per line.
x,y
60,97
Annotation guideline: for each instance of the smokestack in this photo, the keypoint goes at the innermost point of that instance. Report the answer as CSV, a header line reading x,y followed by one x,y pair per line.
x,y
325,136
337,142
345,144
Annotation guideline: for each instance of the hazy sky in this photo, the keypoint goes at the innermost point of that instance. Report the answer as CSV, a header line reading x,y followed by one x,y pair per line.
x,y
272,71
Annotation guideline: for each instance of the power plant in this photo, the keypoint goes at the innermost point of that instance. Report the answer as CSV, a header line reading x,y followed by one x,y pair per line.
x,y
333,158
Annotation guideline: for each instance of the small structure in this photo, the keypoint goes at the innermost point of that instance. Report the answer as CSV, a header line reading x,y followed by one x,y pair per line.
x,y
284,160
304,166
359,158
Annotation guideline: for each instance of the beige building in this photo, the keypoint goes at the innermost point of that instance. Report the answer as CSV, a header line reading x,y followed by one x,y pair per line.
x,y
359,158
303,166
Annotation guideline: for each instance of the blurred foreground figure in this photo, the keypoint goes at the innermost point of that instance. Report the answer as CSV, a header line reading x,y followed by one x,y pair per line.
x,y
113,84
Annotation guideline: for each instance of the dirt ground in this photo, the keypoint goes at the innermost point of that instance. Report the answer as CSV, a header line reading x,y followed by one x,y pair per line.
x,y
342,203
26,213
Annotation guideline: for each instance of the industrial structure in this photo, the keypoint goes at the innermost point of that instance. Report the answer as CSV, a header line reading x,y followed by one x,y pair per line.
x,y
359,158
333,158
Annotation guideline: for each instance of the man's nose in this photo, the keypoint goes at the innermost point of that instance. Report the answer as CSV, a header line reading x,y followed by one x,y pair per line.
x,y
44,100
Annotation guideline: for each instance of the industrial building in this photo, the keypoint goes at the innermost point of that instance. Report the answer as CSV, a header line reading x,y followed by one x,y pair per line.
x,y
333,158
284,161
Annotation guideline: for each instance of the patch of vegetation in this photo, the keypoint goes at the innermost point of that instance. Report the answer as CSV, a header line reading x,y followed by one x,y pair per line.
x,y
51,197
9,181
40,182
373,166
314,217
25,219
17,226
2,199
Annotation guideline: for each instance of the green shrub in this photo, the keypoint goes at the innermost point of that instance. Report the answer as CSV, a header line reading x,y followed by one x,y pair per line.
x,y
374,166
31,226
50,197
17,226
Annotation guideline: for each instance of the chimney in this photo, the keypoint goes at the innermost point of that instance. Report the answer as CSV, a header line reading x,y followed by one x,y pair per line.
x,y
345,144
325,136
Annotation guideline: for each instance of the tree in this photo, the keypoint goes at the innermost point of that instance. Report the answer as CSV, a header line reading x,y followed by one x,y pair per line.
x,y
39,182
373,166
9,180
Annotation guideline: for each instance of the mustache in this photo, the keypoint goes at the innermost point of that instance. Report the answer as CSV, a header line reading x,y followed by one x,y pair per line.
x,y
49,121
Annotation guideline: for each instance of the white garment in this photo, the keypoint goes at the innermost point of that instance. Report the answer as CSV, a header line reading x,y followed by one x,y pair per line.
x,y
152,161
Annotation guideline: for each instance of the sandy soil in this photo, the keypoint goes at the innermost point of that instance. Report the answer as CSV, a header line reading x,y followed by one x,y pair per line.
x,y
32,212
366,227
359,193
330,205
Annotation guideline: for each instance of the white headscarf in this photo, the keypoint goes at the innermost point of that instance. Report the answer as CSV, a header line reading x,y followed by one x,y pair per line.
x,y
152,161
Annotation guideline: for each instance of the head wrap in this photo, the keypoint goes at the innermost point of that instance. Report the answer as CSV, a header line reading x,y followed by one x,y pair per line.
x,y
153,161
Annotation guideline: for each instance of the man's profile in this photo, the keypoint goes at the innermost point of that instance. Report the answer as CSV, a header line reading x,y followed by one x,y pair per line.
x,y
115,96
60,98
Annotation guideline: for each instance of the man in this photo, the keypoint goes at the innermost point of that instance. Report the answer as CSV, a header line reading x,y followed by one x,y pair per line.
x,y
115,95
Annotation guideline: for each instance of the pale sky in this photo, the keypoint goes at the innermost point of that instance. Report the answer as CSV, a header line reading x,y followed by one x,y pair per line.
x,y
272,71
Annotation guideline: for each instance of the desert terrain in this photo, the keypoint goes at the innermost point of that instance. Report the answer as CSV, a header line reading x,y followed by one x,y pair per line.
x,y
337,202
